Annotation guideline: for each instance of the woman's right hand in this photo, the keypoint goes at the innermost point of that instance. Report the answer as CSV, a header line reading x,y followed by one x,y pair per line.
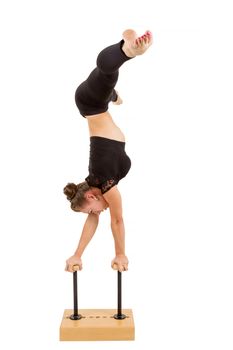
x,y
73,261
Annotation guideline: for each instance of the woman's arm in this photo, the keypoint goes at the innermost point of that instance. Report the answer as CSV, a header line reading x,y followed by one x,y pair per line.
x,y
88,231
113,197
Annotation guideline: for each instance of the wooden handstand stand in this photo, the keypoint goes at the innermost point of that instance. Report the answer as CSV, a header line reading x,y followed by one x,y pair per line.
x,y
97,324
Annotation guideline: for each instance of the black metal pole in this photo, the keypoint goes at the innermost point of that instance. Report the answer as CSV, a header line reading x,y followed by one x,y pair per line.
x,y
75,315
119,315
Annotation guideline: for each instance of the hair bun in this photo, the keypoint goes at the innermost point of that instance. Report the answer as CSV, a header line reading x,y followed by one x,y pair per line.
x,y
70,191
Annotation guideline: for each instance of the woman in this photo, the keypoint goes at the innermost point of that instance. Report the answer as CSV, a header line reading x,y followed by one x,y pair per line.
x,y
108,162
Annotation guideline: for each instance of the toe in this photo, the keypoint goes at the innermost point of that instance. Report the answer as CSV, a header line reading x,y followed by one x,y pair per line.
x,y
140,41
137,42
150,37
146,40
143,38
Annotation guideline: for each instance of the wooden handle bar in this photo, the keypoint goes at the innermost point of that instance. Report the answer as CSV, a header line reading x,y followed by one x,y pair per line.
x,y
76,267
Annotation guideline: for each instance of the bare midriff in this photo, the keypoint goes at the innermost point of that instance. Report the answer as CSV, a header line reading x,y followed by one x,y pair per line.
x,y
103,125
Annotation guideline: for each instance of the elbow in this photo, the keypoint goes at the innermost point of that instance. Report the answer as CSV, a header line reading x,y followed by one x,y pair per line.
x,y
117,220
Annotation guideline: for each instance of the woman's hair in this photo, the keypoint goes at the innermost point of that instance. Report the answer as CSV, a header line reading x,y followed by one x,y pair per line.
x,y
75,194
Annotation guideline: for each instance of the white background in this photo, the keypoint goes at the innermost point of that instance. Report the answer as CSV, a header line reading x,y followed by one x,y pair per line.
x,y
177,119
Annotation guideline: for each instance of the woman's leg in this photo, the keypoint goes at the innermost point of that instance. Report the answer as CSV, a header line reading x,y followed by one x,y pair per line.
x,y
103,79
93,95
111,58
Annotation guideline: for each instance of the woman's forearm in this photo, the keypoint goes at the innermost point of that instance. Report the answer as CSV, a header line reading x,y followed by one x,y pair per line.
x,y
118,231
88,232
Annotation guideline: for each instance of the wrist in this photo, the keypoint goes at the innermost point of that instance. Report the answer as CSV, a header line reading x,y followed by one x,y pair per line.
x,y
120,254
78,254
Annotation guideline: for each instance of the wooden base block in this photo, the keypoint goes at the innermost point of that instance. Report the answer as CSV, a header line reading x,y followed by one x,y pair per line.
x,y
97,324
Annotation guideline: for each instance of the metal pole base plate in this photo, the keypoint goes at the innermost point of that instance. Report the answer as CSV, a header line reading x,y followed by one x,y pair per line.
x,y
119,317
76,317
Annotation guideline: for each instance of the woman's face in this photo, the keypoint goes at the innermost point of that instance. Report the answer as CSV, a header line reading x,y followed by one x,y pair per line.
x,y
95,204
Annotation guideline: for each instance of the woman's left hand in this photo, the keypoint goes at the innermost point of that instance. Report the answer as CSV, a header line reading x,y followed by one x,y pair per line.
x,y
120,263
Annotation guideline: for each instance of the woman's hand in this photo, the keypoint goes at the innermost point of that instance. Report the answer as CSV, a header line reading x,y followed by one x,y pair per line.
x,y
120,263
73,261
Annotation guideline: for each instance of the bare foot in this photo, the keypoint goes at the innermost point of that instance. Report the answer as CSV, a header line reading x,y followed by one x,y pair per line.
x,y
134,45
119,100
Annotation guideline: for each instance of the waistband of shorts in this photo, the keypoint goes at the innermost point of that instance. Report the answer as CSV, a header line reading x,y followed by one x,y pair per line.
x,y
105,140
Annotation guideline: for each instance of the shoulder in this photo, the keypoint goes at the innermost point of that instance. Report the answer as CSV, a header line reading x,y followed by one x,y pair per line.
x,y
113,197
113,194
